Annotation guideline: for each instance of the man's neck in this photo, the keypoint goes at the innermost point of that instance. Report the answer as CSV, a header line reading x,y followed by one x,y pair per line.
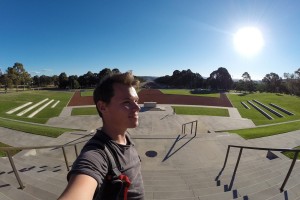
x,y
119,136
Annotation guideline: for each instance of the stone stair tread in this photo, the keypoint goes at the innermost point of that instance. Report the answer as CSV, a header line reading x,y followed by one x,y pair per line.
x,y
43,194
214,169
3,197
51,172
195,181
35,181
292,194
14,193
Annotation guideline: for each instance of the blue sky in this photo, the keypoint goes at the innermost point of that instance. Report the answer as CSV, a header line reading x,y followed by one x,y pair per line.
x,y
153,37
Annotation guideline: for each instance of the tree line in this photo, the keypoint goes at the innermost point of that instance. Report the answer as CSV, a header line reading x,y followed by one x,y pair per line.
x,y
220,79
16,76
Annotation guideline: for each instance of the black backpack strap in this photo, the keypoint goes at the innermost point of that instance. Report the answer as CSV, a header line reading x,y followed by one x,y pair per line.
x,y
112,161
120,181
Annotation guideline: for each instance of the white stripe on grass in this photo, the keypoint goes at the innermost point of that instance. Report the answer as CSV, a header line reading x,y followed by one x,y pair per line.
x,y
32,107
53,106
41,108
18,108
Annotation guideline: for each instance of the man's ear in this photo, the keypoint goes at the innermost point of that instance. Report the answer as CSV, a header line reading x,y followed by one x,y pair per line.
x,y
101,106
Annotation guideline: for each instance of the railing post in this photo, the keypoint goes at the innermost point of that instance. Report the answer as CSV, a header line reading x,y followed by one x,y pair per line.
x,y
235,169
196,127
225,162
66,159
15,169
290,171
192,128
76,151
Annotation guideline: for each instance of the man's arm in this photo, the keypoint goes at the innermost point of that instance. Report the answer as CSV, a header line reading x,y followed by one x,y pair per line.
x,y
80,187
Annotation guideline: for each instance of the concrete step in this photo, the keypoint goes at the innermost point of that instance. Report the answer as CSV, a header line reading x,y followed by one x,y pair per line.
x,y
196,176
180,187
44,173
3,197
13,193
33,180
209,176
292,194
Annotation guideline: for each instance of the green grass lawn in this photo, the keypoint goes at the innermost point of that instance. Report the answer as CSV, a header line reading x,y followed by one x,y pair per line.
x,y
84,111
86,93
291,154
3,154
33,128
186,110
288,102
188,92
264,131
12,100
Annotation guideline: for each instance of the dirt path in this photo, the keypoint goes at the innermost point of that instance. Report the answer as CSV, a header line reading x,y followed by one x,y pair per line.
x,y
160,98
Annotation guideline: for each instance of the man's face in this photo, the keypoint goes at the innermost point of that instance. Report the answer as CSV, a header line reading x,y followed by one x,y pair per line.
x,y
123,109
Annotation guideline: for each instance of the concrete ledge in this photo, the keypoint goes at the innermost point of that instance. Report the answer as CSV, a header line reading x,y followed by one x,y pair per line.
x,y
150,104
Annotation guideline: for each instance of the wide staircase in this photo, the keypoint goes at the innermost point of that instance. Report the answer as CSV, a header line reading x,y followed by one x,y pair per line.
x,y
179,166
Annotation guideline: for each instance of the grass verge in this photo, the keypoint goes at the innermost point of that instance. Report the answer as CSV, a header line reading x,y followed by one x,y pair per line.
x,y
291,154
84,111
86,93
188,92
10,101
33,128
186,110
270,130
288,102
3,154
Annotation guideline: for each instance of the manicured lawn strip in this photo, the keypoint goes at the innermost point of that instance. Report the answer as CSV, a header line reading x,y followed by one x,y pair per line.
x,y
188,92
3,154
84,111
264,131
33,128
287,102
12,100
186,110
291,154
87,93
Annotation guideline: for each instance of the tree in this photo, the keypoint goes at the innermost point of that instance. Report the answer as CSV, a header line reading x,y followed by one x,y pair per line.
x,y
272,82
62,80
248,84
115,70
246,76
182,79
220,79
18,75
73,83
104,72
292,82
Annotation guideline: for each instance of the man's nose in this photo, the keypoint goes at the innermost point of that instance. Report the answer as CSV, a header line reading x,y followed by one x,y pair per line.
x,y
136,106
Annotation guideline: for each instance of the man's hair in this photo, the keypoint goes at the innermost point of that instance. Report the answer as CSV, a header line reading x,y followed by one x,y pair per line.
x,y
104,91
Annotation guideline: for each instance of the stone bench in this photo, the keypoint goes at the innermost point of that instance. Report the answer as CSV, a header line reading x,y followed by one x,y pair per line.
x,y
150,104
260,110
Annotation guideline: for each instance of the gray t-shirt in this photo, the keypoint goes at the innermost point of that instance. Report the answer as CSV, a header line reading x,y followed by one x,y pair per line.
x,y
93,161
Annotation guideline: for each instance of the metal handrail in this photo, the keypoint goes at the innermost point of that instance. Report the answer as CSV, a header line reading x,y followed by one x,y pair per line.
x,y
192,122
8,151
257,148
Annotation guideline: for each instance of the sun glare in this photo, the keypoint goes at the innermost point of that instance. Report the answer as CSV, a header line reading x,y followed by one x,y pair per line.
x,y
248,41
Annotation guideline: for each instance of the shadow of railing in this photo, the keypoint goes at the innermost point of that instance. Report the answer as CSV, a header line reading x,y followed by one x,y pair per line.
x,y
170,153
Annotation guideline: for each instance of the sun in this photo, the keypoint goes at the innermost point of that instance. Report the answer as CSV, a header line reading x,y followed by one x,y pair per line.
x,y
248,41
